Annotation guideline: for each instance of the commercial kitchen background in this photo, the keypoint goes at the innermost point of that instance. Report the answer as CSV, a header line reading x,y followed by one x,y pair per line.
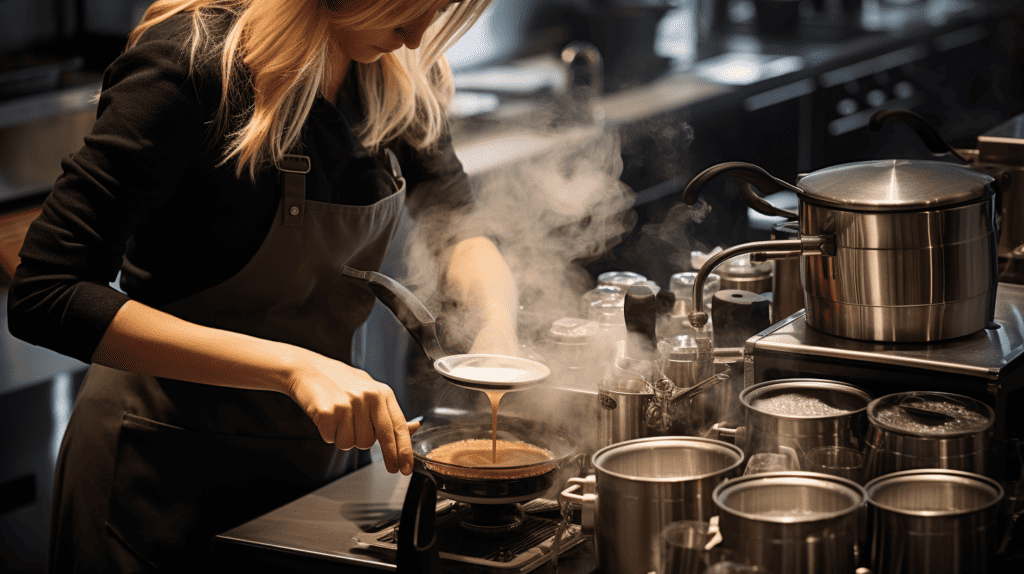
x,y
687,84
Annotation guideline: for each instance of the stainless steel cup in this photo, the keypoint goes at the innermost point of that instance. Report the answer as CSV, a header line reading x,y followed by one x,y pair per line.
x,y
793,522
931,521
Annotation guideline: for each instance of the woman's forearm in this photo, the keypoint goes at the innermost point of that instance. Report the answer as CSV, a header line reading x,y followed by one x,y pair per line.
x,y
480,279
348,407
143,340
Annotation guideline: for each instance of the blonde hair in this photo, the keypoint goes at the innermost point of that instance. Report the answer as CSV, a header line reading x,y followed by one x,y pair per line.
x,y
285,45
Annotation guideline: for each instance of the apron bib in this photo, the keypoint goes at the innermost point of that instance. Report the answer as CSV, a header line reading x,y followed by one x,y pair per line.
x,y
166,465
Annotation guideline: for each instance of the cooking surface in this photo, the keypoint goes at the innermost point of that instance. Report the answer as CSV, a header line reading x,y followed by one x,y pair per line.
x,y
984,354
318,532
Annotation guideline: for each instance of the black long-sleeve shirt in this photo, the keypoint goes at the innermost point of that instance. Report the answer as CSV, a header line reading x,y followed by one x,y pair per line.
x,y
145,196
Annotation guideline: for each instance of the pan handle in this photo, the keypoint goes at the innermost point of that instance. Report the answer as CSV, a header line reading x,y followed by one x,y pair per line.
x,y
418,550
749,173
409,310
922,127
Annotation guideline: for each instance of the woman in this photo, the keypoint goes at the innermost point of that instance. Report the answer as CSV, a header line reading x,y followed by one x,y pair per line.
x,y
244,152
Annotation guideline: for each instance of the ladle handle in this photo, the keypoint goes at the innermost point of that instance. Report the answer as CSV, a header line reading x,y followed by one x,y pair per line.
x,y
922,127
409,311
750,174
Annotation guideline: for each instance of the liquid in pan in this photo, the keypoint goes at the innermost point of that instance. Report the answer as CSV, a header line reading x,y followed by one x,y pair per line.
x,y
484,459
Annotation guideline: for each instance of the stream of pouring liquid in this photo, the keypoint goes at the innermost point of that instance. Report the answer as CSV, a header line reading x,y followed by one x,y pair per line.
x,y
495,398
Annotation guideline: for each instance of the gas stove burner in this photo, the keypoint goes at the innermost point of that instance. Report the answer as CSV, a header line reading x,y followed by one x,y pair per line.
x,y
492,520
523,547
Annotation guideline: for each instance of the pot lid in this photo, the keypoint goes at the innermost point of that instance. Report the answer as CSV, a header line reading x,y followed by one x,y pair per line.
x,y
894,185
930,414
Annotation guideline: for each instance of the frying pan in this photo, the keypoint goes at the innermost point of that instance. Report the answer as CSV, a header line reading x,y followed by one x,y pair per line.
x,y
493,484
476,371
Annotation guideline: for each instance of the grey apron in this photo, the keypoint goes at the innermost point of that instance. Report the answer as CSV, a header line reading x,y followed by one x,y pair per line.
x,y
151,469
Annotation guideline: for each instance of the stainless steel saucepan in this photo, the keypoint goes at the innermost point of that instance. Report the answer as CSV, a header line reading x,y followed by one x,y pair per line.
x,y
891,250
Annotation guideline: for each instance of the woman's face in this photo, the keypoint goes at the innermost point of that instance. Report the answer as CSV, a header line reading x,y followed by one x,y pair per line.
x,y
368,45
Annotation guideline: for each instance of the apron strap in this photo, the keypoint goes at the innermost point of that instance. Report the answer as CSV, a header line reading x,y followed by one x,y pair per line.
x,y
293,170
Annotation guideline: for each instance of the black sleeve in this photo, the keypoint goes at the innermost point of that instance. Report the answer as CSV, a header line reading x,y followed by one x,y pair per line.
x,y
440,196
435,178
151,123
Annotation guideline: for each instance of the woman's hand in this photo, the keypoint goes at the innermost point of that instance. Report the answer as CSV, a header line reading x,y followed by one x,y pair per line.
x,y
352,410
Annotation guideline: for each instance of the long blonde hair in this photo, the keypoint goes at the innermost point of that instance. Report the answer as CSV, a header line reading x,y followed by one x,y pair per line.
x,y
285,46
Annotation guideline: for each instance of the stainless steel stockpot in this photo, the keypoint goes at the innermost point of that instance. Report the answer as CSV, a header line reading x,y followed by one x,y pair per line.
x,y
642,485
931,521
802,414
903,434
891,250
793,522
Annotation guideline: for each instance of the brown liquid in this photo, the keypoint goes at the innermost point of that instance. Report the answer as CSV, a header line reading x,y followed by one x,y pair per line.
x,y
495,397
480,463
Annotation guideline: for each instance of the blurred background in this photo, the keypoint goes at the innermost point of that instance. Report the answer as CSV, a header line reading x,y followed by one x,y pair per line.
x,y
682,85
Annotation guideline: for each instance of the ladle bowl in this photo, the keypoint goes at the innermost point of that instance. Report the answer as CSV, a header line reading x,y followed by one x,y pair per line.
x,y
475,371
491,372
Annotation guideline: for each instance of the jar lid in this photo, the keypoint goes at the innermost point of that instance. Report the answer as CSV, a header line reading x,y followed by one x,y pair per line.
x,y
572,330
603,293
621,279
894,185
930,414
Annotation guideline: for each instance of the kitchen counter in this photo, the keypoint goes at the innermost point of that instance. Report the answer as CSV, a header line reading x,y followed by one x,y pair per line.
x,y
316,533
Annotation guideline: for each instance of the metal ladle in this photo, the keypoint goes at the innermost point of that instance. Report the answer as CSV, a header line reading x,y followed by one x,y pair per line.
x,y
476,371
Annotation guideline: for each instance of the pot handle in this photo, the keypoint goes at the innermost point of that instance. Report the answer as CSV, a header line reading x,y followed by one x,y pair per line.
x,y
738,434
922,127
585,500
749,173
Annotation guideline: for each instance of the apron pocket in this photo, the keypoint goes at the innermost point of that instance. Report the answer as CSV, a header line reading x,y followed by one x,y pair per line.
x,y
175,489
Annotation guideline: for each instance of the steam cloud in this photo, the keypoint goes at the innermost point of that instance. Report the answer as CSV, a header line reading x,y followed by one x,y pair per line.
x,y
548,215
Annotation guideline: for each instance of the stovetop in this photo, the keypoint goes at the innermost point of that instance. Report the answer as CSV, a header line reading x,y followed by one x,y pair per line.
x,y
524,550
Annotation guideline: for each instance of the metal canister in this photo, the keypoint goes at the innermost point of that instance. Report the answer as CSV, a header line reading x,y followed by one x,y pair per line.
x,y
643,485
793,522
925,429
931,521
803,414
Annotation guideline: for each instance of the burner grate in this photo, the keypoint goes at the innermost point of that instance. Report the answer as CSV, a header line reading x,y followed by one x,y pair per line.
x,y
452,539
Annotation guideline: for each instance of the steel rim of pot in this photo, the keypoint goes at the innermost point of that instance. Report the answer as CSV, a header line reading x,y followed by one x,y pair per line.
x,y
961,477
746,397
872,408
790,478
709,445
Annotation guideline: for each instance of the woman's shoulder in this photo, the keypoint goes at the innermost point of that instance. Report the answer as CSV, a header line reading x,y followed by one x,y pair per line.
x,y
166,50
180,27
